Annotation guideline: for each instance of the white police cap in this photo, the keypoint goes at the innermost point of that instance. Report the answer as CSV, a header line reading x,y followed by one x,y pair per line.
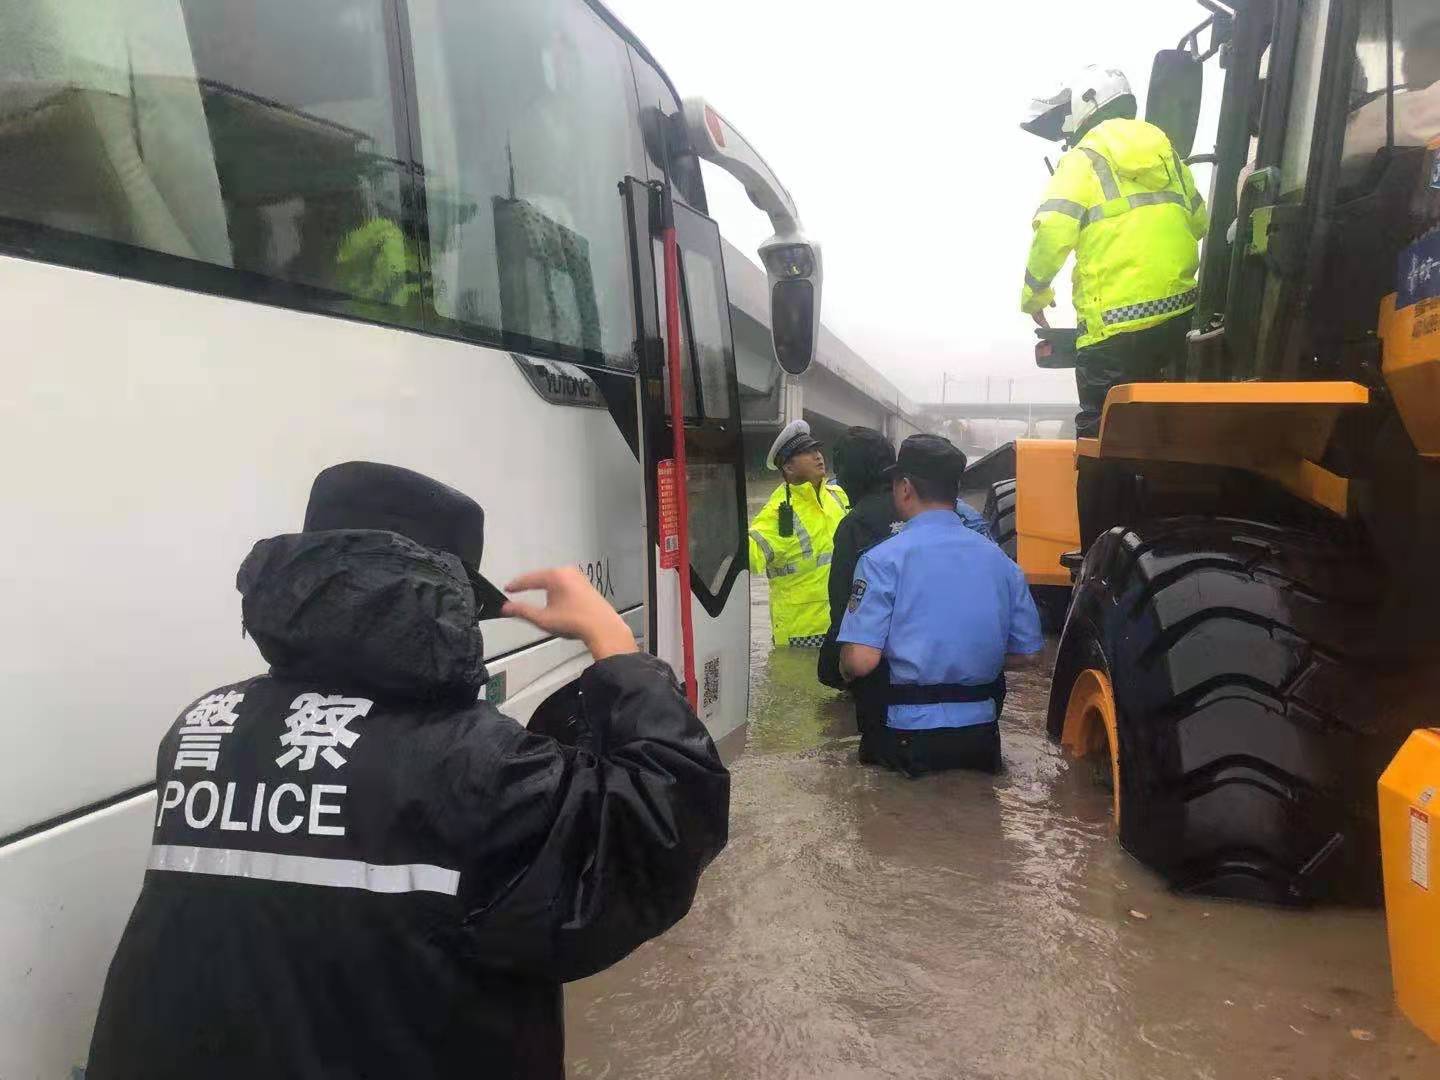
x,y
794,439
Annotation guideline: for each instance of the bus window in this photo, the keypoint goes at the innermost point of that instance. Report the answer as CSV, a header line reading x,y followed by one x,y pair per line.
x,y
258,136
102,131
704,286
298,102
712,440
709,353
526,136
714,518
712,469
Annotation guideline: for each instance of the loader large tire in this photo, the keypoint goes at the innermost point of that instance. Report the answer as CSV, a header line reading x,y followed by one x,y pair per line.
x,y
1000,514
1244,709
1050,600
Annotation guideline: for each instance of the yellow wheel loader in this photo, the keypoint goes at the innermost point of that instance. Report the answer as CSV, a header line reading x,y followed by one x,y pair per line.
x,y
1254,543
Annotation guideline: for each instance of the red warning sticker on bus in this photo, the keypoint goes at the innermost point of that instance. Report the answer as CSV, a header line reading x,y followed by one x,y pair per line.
x,y
669,513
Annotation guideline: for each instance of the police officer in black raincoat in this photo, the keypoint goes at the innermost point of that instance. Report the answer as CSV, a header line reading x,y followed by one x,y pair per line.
x,y
358,869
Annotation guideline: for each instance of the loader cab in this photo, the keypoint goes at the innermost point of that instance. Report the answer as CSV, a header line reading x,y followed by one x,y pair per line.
x,y
1327,109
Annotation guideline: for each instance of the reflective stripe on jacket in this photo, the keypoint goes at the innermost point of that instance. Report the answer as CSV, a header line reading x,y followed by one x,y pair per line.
x,y
1126,204
798,566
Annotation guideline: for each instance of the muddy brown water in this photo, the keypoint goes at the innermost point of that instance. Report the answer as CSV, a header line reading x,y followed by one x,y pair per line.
x,y
962,927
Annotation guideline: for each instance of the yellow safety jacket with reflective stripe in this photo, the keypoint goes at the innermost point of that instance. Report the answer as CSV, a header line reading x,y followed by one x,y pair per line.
x,y
798,566
1126,204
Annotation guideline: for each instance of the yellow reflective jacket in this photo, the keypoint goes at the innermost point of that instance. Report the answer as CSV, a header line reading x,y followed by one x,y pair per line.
x,y
1126,204
376,263
798,566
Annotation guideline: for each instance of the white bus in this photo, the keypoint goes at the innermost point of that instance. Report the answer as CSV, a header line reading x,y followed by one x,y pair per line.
x,y
240,242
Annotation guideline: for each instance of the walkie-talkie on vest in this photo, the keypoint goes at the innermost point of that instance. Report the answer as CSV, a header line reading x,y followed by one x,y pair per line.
x,y
787,515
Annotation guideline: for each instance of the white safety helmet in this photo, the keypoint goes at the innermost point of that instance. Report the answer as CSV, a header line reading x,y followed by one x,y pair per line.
x,y
1045,116
794,438
1090,91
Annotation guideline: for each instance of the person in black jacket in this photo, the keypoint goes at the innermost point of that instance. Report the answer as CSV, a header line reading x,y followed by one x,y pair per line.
x,y
861,457
358,869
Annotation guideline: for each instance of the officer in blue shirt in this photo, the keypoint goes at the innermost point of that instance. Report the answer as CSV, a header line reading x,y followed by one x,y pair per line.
x,y
945,611
974,520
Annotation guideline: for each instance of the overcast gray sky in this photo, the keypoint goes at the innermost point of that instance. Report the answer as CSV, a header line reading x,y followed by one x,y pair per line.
x,y
895,127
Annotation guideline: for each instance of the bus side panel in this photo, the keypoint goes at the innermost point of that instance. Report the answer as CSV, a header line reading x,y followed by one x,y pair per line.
x,y
64,897
525,679
722,654
152,435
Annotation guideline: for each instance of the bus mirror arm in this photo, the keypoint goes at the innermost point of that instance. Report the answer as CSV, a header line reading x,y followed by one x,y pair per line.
x,y
792,261
715,140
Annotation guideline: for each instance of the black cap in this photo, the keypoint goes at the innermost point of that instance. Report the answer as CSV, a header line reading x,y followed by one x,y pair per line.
x,y
931,457
368,495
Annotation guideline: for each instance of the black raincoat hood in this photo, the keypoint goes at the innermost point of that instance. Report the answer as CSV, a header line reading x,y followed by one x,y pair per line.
x,y
861,458
365,609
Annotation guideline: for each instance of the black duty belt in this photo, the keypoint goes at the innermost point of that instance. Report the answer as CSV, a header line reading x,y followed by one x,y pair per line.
x,y
939,693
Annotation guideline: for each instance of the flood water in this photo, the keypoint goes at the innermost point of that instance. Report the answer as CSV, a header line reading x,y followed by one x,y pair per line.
x,y
960,926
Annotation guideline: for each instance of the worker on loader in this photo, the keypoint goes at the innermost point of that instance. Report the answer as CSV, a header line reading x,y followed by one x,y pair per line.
x,y
792,538
1123,201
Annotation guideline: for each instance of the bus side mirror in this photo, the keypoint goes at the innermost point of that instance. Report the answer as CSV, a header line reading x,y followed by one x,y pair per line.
x,y
793,268
792,261
1173,104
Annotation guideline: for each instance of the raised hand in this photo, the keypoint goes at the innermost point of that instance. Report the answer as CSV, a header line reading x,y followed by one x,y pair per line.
x,y
572,609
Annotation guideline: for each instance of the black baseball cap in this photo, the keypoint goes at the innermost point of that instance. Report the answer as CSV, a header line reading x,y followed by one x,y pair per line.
x,y
929,456
369,495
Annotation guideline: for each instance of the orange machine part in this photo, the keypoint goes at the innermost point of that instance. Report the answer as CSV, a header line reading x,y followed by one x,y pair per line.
x,y
1409,813
1047,519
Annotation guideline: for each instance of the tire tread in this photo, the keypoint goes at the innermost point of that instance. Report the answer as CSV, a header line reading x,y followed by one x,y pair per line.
x,y
1242,745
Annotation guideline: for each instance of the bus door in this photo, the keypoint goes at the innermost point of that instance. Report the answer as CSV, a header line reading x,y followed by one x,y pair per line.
x,y
719,578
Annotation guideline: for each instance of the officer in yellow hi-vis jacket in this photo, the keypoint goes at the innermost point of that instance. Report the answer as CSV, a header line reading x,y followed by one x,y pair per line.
x,y
1123,201
793,537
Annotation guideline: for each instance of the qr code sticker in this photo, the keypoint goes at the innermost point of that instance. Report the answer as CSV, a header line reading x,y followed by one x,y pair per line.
x,y
672,543
710,696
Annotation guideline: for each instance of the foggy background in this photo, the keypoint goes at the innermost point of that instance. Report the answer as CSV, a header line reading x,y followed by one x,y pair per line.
x,y
896,128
